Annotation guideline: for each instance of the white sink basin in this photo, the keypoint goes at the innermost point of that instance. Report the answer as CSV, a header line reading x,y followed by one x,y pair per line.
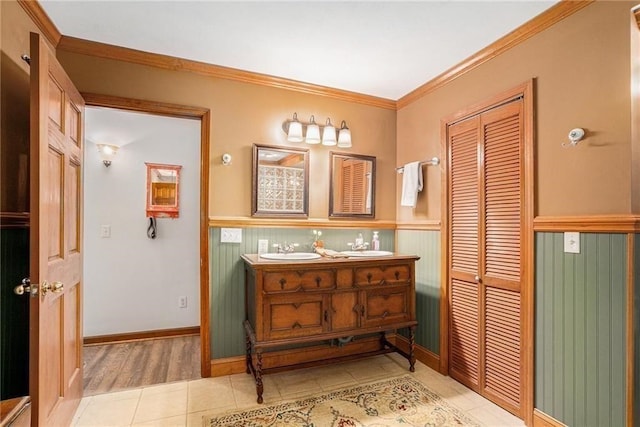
x,y
366,253
293,256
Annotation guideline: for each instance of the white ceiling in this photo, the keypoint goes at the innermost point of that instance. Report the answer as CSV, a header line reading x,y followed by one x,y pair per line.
x,y
380,48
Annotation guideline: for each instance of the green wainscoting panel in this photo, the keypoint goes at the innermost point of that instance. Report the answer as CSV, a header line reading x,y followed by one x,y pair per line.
x,y
425,244
14,314
580,343
227,275
636,329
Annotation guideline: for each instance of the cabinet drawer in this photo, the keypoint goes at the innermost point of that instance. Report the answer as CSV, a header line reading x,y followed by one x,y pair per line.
x,y
387,305
296,316
292,281
383,275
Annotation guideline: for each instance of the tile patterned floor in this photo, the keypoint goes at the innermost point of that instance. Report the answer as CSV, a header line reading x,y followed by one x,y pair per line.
x,y
185,403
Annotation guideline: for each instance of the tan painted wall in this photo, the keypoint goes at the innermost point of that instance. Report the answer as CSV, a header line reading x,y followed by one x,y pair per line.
x,y
582,77
243,114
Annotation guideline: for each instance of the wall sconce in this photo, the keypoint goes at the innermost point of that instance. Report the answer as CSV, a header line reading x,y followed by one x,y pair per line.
x,y
107,153
310,132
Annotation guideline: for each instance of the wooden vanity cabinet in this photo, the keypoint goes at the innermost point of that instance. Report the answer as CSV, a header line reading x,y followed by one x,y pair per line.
x,y
311,301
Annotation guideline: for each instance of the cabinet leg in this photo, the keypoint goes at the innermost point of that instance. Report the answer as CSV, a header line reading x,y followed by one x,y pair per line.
x,y
412,356
248,354
258,373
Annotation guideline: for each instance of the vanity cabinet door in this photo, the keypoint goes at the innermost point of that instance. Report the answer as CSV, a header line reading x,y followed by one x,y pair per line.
x,y
383,275
303,280
386,305
291,316
345,311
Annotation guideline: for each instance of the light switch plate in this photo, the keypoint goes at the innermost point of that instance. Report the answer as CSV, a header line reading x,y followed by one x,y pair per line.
x,y
105,231
572,242
231,235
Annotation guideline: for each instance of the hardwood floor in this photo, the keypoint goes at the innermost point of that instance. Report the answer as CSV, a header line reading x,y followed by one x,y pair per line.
x,y
112,367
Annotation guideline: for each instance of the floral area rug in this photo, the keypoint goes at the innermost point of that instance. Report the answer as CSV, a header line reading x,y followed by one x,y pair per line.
x,y
399,401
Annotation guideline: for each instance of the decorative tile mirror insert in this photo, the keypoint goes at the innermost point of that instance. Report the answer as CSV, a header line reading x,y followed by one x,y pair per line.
x,y
280,181
352,186
163,186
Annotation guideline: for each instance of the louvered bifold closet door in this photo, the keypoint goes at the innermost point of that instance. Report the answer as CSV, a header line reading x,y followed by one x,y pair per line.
x,y
502,171
464,339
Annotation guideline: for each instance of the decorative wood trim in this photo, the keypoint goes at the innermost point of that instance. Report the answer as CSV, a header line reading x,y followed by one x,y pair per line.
x,y
445,197
540,419
528,241
247,222
589,223
546,19
204,115
11,409
425,356
42,21
144,106
237,364
428,225
107,51
14,220
141,336
630,362
205,298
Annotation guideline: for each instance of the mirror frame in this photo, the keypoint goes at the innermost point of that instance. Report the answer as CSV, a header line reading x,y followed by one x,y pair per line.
x,y
372,159
254,190
162,211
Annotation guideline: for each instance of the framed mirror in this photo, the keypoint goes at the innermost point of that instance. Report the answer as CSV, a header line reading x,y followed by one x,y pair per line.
x,y
280,182
352,186
163,190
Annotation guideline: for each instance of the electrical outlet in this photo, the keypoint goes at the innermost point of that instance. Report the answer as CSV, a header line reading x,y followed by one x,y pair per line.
x,y
182,302
572,242
263,246
105,231
231,235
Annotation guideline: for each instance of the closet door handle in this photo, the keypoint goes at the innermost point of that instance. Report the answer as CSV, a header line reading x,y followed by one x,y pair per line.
x,y
478,279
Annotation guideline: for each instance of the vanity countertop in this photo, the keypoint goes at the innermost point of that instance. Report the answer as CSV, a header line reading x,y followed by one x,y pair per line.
x,y
256,261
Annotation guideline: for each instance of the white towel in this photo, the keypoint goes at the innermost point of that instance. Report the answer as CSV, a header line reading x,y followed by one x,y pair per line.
x,y
411,183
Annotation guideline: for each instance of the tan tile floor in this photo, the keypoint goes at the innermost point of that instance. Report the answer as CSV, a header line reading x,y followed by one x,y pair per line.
x,y
185,403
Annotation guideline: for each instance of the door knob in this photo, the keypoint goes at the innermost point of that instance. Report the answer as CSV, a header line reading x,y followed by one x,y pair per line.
x,y
477,278
55,287
26,286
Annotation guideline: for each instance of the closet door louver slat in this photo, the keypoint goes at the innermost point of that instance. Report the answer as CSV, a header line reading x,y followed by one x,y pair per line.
x,y
464,206
502,195
464,332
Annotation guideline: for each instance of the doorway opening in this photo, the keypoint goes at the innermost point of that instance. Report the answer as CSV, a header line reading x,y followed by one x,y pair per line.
x,y
145,293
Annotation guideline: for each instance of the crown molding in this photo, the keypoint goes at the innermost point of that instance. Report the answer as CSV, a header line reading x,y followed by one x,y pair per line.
x,y
546,19
107,51
536,25
42,20
589,223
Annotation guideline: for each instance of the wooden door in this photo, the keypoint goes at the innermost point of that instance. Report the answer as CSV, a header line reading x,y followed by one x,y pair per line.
x,y
55,360
487,229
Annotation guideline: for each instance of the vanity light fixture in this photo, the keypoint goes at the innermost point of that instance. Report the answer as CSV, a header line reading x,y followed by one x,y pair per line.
x,y
344,137
311,132
107,153
329,134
